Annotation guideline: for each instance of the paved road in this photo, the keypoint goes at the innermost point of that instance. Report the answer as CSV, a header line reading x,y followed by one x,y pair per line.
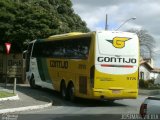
x,y
82,109
93,107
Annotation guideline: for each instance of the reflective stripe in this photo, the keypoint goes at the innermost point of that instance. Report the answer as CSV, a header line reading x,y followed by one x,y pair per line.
x,y
125,66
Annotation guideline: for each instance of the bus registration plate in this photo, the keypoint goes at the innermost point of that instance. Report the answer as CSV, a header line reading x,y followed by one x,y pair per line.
x,y
116,91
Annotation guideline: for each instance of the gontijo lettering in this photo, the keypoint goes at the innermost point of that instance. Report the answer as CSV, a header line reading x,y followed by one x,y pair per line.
x,y
115,59
59,64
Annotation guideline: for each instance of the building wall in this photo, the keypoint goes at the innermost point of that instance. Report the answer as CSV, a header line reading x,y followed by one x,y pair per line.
x,y
153,75
146,72
157,80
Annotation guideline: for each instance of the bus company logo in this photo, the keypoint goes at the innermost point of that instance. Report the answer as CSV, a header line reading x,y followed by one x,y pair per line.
x,y
119,42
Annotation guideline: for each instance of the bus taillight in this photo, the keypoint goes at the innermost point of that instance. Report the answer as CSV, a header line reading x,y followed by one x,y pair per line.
x,y
143,110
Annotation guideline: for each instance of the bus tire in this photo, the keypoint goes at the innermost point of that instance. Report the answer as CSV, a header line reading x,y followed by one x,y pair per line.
x,y
71,91
63,90
32,82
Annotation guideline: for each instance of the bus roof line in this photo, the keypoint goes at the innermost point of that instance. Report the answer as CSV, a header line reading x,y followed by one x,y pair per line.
x,y
67,34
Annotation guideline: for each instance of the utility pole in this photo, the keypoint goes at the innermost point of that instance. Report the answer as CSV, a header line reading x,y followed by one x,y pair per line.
x,y
106,24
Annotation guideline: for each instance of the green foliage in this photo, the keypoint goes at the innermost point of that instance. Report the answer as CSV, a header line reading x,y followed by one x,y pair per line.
x,y
26,20
141,83
4,94
148,84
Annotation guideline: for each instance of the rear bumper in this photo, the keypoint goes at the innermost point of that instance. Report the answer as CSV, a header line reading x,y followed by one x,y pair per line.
x,y
115,94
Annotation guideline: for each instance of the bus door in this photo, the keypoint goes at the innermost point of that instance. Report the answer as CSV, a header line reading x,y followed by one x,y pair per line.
x,y
28,52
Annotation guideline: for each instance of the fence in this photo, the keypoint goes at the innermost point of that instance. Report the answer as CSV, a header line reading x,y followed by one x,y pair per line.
x,y
12,66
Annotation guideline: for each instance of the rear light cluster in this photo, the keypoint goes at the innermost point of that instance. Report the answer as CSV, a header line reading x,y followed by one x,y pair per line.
x,y
122,66
143,110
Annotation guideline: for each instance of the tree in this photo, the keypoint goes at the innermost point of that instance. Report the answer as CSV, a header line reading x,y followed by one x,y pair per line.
x,y
147,42
26,20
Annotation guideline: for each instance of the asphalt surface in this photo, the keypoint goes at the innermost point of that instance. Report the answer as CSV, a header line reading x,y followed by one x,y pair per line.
x,y
30,99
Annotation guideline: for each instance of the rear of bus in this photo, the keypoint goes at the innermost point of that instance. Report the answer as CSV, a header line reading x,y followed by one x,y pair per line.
x,y
116,65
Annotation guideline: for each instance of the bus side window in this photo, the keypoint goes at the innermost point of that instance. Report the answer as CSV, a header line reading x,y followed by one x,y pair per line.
x,y
85,51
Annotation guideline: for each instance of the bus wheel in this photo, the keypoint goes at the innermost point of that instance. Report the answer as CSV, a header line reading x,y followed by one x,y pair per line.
x,y
32,82
72,92
63,90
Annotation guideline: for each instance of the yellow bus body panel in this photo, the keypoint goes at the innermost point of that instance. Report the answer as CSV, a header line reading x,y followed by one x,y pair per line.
x,y
106,86
115,86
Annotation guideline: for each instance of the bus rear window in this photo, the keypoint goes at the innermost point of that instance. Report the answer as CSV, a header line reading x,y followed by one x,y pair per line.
x,y
117,44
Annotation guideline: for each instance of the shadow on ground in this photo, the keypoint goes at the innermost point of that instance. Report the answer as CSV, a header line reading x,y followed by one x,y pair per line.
x,y
43,94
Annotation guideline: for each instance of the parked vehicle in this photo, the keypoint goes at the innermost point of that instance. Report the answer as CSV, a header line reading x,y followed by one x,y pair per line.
x,y
150,107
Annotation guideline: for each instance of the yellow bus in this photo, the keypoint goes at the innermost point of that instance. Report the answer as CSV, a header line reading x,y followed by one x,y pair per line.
x,y
94,65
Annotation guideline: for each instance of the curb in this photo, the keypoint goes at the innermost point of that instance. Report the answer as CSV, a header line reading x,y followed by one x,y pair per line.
x,y
10,98
20,109
149,92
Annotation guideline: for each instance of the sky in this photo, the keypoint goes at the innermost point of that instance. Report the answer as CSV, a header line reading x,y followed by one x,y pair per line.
x,y
121,12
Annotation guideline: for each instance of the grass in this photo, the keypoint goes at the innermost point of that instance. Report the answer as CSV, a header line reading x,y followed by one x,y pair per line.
x,y
4,94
